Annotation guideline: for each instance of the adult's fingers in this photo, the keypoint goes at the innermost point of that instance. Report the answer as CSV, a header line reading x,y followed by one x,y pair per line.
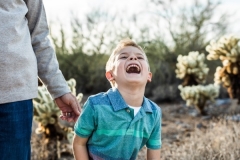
x,y
65,118
72,101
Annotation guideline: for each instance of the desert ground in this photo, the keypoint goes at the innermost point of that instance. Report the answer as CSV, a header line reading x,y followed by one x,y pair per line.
x,y
186,135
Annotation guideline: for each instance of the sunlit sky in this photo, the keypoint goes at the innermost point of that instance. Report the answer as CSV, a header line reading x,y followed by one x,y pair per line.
x,y
60,11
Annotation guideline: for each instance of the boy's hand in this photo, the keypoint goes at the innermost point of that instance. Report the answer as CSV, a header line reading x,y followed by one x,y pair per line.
x,y
69,106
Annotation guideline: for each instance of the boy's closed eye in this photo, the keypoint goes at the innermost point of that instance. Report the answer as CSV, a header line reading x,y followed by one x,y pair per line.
x,y
123,57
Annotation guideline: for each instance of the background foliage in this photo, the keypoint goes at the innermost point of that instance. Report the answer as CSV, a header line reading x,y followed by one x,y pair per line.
x,y
190,28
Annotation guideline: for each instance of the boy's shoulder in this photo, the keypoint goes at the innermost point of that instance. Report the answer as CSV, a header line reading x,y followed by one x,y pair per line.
x,y
110,94
153,105
98,97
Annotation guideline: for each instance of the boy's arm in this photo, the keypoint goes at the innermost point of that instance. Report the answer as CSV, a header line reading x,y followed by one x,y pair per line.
x,y
154,143
153,154
80,148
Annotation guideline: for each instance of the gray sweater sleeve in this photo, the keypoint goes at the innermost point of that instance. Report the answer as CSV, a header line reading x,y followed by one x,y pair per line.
x,y
48,67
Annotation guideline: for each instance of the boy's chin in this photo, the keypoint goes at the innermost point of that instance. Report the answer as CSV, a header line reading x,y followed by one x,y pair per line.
x,y
133,76
136,82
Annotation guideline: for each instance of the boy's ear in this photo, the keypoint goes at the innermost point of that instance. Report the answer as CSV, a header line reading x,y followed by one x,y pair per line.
x,y
109,76
149,79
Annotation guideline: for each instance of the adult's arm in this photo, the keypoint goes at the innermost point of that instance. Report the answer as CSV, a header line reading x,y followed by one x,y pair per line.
x,y
48,67
47,64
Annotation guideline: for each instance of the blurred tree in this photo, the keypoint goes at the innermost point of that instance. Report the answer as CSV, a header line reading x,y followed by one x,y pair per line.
x,y
192,26
189,28
85,58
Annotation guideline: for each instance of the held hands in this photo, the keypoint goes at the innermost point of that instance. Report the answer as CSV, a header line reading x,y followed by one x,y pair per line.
x,y
69,106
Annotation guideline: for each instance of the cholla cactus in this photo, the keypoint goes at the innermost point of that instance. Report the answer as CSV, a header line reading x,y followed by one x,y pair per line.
x,y
199,95
46,113
70,136
72,84
225,49
192,69
228,51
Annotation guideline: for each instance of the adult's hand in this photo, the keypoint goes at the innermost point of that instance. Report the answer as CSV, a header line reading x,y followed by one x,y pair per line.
x,y
69,106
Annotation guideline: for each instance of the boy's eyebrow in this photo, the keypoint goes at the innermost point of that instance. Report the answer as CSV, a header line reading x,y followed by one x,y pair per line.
x,y
134,53
123,53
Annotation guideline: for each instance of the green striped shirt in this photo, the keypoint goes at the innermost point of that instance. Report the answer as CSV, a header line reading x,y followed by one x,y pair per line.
x,y
114,132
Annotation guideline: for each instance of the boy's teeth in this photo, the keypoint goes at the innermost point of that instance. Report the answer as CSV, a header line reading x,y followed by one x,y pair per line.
x,y
133,68
133,65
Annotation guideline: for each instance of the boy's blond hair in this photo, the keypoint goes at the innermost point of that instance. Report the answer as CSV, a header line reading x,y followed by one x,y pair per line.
x,y
122,44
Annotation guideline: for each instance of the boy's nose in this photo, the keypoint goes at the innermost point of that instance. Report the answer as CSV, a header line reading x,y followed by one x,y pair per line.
x,y
133,58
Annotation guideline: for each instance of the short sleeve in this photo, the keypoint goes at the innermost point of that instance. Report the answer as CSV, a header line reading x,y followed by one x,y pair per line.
x,y
86,122
154,141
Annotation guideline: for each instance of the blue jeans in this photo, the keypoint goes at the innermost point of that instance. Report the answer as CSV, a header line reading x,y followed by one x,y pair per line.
x,y
15,130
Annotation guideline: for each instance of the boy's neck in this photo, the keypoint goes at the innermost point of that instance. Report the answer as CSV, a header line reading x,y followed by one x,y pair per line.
x,y
132,96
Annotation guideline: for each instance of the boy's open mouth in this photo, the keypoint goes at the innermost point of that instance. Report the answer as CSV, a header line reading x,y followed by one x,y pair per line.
x,y
133,68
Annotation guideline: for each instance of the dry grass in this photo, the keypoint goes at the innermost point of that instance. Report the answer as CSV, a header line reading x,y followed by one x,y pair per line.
x,y
220,141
